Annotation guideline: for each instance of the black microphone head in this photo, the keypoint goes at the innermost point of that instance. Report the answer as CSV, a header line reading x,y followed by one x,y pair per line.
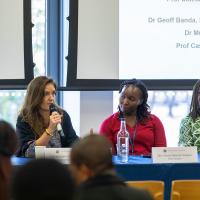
x,y
52,108
121,114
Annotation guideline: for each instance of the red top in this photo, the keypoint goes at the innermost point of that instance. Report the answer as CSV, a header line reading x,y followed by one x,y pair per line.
x,y
151,134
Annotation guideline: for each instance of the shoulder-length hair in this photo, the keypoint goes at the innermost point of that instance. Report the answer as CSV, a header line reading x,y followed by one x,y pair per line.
x,y
33,99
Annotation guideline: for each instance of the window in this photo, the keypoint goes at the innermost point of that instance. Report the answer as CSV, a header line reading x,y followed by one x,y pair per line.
x,y
11,100
38,36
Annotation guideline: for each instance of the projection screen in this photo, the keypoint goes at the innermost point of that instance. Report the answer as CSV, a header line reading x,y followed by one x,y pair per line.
x,y
156,41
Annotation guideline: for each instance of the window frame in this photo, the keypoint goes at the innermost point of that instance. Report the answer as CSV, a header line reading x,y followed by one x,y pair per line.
x,y
12,84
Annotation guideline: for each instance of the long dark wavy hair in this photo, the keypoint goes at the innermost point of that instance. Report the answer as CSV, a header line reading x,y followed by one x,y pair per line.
x,y
194,106
143,110
33,99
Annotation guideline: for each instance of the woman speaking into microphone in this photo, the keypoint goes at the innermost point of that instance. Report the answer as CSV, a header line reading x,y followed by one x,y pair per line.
x,y
41,122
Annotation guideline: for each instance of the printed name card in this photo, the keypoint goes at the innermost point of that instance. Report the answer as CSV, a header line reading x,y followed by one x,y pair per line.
x,y
60,154
174,154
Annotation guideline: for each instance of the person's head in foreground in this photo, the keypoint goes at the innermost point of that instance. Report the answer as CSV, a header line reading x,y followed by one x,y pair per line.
x,y
8,146
91,156
92,167
42,179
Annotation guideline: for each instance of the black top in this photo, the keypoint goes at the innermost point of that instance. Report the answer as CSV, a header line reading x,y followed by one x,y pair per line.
x,y
109,187
26,133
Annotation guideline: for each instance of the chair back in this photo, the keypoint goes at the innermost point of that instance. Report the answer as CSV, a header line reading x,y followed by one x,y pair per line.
x,y
185,190
156,188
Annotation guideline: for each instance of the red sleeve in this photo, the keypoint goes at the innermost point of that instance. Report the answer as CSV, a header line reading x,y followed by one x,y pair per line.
x,y
106,130
159,133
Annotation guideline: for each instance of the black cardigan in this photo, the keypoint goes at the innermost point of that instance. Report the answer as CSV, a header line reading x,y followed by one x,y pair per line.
x,y
26,133
109,187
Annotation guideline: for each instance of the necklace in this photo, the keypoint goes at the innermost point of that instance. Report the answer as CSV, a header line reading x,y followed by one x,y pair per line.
x,y
132,140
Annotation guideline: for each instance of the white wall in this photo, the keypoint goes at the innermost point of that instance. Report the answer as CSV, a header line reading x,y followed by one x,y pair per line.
x,y
11,39
88,109
95,106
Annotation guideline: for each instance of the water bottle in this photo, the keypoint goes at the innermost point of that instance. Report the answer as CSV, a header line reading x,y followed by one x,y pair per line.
x,y
123,142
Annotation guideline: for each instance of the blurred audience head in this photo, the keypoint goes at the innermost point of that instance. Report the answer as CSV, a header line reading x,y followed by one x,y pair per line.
x,y
42,179
90,156
8,146
8,139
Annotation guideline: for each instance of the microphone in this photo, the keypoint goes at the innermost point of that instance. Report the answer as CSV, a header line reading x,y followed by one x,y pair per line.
x,y
52,108
121,114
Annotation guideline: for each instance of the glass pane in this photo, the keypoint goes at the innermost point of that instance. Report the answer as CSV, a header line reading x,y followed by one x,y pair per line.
x,y
11,100
38,36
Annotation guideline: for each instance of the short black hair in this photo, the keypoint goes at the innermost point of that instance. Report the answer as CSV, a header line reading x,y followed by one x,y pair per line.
x,y
42,179
143,110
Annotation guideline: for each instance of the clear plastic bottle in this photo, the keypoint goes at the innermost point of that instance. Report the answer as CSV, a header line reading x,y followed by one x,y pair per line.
x,y
123,142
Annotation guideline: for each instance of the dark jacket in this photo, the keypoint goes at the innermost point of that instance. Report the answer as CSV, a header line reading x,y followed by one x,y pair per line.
x,y
26,133
109,187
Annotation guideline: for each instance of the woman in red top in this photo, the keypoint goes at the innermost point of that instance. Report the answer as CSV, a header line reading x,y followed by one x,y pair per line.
x,y
145,129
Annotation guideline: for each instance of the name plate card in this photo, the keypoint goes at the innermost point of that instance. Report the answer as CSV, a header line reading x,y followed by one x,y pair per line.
x,y
174,154
60,154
